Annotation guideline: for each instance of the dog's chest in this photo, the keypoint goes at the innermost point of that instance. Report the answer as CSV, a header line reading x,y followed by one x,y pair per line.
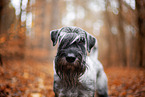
x,y
79,91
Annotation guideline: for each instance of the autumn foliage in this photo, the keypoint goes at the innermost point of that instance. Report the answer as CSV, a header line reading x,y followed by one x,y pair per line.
x,y
26,79
31,78
126,82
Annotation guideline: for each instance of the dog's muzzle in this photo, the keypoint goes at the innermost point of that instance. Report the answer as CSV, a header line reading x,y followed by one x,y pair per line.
x,y
70,58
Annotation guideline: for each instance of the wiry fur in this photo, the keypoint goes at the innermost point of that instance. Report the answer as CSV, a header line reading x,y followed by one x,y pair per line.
x,y
84,76
66,71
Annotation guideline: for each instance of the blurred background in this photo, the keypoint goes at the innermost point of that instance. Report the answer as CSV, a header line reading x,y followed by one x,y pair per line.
x,y
26,51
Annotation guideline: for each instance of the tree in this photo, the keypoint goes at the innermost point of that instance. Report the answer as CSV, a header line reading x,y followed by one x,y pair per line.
x,y
1,63
140,6
121,36
54,14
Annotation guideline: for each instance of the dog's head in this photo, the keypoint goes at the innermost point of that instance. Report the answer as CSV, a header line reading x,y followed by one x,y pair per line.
x,y
73,44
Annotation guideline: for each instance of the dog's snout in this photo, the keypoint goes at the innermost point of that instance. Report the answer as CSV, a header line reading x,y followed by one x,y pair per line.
x,y
70,58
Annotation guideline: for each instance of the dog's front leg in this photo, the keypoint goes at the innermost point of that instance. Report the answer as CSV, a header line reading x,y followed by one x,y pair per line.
x,y
101,85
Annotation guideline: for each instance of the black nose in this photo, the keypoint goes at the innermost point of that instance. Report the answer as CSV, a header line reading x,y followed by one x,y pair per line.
x,y
70,58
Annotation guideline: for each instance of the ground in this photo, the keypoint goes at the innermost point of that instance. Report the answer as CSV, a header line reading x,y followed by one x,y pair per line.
x,y
29,78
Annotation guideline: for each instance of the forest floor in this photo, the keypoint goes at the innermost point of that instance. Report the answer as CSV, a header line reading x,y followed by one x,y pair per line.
x,y
35,79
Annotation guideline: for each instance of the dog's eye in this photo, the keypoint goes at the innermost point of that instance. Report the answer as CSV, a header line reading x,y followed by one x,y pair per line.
x,y
82,40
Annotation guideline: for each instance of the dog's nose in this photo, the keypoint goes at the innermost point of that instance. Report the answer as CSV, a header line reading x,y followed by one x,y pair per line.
x,y
70,58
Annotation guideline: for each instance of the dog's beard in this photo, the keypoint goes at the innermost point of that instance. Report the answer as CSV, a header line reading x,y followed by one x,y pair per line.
x,y
69,72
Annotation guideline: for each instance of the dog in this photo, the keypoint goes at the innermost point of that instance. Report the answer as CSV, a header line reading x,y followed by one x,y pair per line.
x,y
75,73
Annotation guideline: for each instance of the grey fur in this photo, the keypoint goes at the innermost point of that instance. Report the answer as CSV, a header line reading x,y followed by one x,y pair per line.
x,y
75,73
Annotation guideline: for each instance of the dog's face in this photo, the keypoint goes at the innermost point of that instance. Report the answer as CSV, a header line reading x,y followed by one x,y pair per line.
x,y
70,61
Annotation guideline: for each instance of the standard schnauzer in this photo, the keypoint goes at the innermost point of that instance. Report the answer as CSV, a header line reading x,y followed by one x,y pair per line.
x,y
75,73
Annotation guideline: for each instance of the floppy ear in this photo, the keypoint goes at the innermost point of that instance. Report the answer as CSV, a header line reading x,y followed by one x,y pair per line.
x,y
90,41
54,36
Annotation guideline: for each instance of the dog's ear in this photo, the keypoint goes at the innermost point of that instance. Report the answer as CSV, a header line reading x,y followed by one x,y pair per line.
x,y
90,41
54,36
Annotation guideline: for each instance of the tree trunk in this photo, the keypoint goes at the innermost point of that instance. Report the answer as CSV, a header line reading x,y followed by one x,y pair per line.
x,y
140,6
55,14
122,43
109,38
1,63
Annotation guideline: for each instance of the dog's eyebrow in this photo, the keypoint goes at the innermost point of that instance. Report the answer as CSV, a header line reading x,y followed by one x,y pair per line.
x,y
75,39
61,37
